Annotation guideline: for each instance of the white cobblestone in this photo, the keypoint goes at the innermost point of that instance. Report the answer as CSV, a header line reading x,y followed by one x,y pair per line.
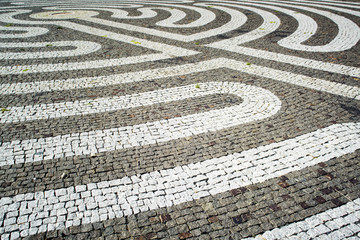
x,y
320,230
175,192
249,110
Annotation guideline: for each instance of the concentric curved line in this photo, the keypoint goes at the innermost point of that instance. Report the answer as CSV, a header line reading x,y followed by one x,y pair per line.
x,y
166,51
168,187
257,104
84,107
344,10
29,32
338,3
278,75
82,48
270,23
206,16
306,28
116,13
237,20
347,37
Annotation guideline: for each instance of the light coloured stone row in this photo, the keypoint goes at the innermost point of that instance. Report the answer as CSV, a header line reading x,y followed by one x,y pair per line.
x,y
237,20
81,48
347,37
31,213
334,3
98,105
103,81
270,23
167,51
206,16
338,223
344,10
58,67
278,75
29,32
293,60
348,32
257,104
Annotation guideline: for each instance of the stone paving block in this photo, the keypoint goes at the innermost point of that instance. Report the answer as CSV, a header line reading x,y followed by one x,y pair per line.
x,y
179,120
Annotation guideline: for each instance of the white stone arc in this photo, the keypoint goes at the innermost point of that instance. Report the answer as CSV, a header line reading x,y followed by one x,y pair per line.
x,y
81,48
206,16
29,32
337,223
270,23
98,105
348,32
236,21
258,104
166,51
344,10
289,59
102,81
70,66
32,213
345,4
334,3
307,27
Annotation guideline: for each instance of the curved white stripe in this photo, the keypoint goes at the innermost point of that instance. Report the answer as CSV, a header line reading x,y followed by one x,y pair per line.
x,y
344,10
206,17
324,225
58,67
270,24
84,107
257,104
347,37
337,3
145,13
164,48
82,48
168,51
237,20
29,32
102,81
116,13
278,75
306,28
165,188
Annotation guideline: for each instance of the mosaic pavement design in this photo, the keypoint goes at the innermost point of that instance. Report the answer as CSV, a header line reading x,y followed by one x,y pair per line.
x,y
179,119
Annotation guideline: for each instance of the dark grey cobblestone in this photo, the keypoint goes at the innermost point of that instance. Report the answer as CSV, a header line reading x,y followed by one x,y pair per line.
x,y
238,213
248,211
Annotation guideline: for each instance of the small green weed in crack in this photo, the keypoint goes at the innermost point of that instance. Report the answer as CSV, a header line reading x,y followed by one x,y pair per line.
x,y
8,25
248,63
197,86
4,110
135,42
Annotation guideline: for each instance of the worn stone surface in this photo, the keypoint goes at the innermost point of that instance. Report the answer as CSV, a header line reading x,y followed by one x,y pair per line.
x,y
179,120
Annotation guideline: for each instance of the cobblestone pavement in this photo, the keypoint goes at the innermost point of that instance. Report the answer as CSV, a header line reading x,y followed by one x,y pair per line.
x,y
179,119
